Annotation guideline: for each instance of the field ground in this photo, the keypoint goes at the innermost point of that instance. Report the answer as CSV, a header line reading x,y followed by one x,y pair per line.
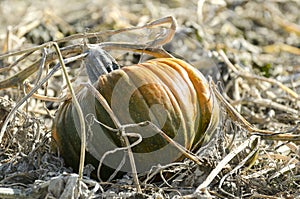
x,y
251,49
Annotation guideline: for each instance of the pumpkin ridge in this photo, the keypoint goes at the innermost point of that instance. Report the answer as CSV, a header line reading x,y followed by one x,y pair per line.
x,y
141,69
172,94
66,121
106,87
130,70
199,127
108,84
204,95
125,74
163,72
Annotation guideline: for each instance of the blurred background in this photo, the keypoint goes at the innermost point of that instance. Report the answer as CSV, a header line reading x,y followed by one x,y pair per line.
x,y
260,37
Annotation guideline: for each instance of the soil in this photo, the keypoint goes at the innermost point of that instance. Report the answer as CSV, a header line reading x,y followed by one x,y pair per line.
x,y
250,49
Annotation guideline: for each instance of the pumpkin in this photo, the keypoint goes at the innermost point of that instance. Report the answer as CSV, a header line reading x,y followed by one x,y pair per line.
x,y
169,92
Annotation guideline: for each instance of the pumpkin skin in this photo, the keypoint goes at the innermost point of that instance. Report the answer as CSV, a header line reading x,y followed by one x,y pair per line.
x,y
167,91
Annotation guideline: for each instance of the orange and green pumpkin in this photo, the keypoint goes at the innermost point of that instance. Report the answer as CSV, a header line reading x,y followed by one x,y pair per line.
x,y
169,92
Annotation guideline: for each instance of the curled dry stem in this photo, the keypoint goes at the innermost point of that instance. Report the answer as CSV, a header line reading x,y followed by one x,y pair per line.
x,y
158,170
29,87
152,48
122,128
38,85
117,123
123,133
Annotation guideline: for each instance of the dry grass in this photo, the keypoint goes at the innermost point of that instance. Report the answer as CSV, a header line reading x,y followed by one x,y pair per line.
x,y
258,75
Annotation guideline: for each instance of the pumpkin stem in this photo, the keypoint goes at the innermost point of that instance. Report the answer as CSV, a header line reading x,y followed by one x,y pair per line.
x,y
99,62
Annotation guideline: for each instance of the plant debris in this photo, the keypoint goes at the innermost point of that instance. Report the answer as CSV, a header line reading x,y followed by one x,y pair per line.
x,y
250,49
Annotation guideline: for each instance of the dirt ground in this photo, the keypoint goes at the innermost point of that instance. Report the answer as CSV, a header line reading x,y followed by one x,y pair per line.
x,y
251,50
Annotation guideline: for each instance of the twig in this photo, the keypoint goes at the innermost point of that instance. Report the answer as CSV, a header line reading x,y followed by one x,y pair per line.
x,y
182,149
242,163
159,169
28,87
270,104
251,76
41,66
117,123
78,109
18,78
15,62
164,20
223,163
263,196
12,193
285,169
123,133
157,42
38,85
240,120
276,48
200,4
152,48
